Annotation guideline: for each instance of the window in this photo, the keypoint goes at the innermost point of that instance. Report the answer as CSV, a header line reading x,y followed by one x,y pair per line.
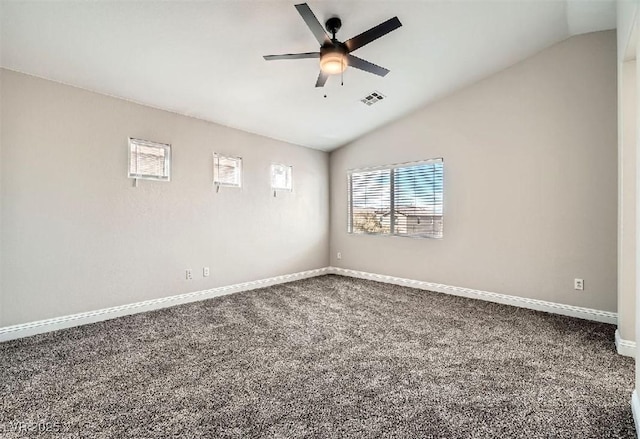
x,y
369,199
227,171
281,177
400,200
149,160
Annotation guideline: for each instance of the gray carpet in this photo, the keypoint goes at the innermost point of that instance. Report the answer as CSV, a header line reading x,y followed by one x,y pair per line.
x,y
328,357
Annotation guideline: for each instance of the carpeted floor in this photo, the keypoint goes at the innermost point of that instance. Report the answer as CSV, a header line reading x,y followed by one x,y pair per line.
x,y
328,357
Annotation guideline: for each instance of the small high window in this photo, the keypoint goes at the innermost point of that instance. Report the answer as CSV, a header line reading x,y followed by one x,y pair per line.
x,y
227,171
281,179
149,160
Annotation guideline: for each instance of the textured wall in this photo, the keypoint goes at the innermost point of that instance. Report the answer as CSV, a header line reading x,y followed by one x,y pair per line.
x,y
77,236
530,181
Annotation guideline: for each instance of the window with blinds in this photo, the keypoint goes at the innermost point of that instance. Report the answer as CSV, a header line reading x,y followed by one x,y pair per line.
x,y
149,160
401,200
281,178
369,200
227,171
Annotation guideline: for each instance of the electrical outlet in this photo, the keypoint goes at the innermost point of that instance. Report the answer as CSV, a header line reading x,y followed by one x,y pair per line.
x,y
189,274
205,272
578,284
339,255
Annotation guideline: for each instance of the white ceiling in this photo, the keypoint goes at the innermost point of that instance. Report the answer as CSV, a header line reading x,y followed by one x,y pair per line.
x,y
204,59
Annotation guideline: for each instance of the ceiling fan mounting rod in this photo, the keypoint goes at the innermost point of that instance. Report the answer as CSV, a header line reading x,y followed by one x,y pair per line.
x,y
333,25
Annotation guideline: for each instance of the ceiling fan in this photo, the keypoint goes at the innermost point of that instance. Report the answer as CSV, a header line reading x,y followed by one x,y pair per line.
x,y
334,55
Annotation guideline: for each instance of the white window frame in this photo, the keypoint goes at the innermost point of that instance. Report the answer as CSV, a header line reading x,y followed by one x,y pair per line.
x,y
392,206
134,144
216,160
289,170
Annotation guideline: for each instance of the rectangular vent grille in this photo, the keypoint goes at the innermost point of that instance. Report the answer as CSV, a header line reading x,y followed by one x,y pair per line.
x,y
374,97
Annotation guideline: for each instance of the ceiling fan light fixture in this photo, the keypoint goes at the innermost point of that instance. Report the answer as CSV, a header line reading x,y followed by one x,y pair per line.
x,y
335,56
333,63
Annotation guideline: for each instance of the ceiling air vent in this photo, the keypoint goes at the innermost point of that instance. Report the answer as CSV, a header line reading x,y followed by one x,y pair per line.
x,y
374,97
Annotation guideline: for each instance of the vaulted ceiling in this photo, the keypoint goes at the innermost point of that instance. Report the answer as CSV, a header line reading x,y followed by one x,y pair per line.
x,y
204,59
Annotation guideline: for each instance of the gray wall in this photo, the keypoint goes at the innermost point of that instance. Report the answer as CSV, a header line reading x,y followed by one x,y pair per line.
x,y
77,236
530,181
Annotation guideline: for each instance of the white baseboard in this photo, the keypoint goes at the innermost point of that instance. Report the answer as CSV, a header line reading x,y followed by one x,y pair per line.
x,y
635,409
522,302
625,347
54,324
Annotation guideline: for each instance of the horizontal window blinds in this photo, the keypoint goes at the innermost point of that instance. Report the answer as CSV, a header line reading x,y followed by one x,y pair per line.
x,y
403,200
227,171
370,199
418,197
281,177
149,160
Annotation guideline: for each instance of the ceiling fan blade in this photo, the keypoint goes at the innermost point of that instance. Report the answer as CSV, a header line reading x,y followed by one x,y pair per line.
x,y
313,23
322,78
293,56
361,64
373,34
